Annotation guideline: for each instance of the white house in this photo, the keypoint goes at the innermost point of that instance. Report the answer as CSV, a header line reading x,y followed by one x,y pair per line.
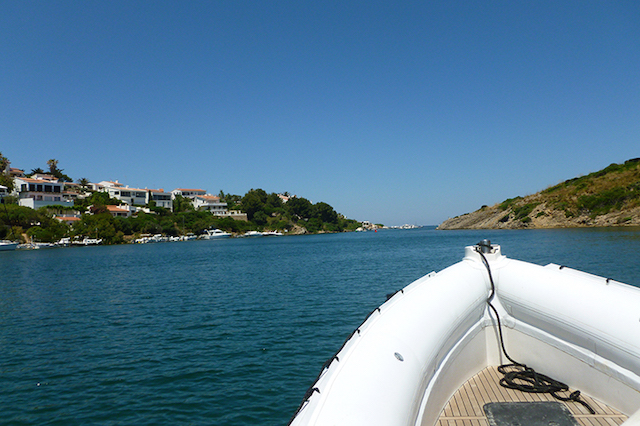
x,y
131,196
4,191
135,196
68,219
188,193
119,211
161,198
234,214
36,193
210,203
284,197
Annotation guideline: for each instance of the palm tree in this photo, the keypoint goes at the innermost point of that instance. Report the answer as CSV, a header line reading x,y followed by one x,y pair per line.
x,y
53,166
4,163
5,177
55,171
83,182
35,171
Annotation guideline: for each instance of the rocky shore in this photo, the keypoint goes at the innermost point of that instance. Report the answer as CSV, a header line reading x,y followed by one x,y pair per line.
x,y
609,197
542,217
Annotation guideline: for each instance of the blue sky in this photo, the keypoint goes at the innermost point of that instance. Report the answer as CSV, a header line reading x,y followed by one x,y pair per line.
x,y
393,112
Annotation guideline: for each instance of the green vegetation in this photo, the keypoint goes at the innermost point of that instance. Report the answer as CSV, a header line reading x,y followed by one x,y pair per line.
x,y
5,179
608,197
614,188
605,201
268,211
264,211
38,224
508,203
611,189
522,212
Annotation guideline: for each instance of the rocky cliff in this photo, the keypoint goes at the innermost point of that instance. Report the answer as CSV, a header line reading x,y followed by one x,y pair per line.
x,y
609,197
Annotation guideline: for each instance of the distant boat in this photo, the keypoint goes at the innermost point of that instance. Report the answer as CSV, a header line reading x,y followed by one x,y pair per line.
x,y
6,245
252,234
88,242
433,353
271,234
211,234
36,246
64,242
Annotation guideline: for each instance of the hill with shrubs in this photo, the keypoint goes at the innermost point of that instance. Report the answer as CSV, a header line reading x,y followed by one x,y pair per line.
x,y
609,197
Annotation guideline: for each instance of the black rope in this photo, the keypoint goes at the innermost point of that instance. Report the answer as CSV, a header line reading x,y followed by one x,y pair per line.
x,y
519,376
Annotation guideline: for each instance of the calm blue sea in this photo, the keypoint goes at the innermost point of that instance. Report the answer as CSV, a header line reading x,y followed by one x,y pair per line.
x,y
225,332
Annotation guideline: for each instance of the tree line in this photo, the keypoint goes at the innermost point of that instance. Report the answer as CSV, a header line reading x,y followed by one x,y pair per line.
x,y
265,211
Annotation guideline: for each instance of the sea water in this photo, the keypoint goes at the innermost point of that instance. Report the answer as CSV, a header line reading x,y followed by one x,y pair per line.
x,y
228,332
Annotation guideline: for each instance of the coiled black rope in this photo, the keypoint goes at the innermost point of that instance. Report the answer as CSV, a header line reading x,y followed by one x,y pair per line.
x,y
519,376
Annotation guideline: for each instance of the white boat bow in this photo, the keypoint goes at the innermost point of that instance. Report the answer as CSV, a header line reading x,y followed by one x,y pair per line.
x,y
401,366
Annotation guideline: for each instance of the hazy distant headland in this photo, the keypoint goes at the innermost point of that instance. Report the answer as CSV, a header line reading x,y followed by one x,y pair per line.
x,y
609,197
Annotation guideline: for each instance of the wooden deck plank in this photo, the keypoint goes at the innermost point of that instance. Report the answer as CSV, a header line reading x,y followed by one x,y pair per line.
x,y
465,407
473,394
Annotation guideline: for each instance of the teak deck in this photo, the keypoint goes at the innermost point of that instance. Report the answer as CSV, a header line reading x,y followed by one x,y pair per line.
x,y
465,407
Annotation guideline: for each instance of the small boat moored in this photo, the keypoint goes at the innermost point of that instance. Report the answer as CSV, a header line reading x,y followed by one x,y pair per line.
x,y
252,234
443,336
7,245
211,234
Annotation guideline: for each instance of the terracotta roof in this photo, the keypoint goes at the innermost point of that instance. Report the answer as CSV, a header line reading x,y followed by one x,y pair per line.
x,y
67,218
31,180
116,209
208,197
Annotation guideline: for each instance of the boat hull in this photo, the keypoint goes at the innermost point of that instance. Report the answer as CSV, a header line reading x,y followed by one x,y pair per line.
x,y
408,358
8,245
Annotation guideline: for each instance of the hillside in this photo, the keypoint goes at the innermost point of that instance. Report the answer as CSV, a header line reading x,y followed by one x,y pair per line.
x,y
609,197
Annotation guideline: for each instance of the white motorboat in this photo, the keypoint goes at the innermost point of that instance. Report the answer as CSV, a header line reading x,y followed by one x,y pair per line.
x,y
272,234
6,245
431,351
87,242
252,234
63,242
210,234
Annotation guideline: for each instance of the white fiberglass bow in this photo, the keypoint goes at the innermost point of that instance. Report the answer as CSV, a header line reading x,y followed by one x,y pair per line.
x,y
411,354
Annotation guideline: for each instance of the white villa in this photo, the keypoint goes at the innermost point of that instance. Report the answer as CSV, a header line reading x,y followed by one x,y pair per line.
x,y
42,190
36,193
120,211
188,193
131,196
161,198
203,201
135,196
209,203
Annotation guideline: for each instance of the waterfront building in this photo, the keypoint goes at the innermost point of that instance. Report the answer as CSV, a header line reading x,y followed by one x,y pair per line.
x,y
120,211
131,196
210,203
161,198
188,193
36,193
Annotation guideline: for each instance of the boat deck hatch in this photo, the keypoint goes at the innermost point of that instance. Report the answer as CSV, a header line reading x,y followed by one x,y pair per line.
x,y
528,414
